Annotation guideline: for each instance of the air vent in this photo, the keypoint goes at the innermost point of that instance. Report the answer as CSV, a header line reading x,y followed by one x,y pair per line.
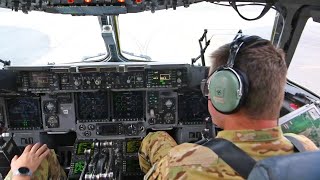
x,y
108,69
135,68
87,69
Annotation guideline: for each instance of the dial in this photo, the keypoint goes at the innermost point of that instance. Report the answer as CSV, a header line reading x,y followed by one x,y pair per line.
x,y
50,106
98,81
52,121
77,82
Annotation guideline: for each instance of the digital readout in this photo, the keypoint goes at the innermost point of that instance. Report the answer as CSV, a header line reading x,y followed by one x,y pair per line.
x,y
78,167
82,146
133,146
165,77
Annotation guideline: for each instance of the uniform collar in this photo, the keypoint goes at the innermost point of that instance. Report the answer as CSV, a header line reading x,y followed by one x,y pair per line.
x,y
269,134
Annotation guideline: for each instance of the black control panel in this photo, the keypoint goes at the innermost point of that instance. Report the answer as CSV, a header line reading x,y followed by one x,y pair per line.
x,y
110,158
24,113
39,81
162,107
167,78
192,108
92,106
85,79
128,106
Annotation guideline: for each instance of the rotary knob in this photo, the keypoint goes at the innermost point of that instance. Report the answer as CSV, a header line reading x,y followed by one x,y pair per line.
x,y
77,82
97,81
82,127
53,121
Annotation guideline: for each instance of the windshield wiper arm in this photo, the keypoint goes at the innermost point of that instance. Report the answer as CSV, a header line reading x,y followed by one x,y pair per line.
x,y
5,63
146,57
85,58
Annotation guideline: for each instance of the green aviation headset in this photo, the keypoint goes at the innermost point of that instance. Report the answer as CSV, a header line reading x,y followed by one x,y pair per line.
x,y
228,86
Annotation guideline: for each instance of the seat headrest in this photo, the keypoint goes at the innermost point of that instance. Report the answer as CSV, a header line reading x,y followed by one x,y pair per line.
x,y
290,167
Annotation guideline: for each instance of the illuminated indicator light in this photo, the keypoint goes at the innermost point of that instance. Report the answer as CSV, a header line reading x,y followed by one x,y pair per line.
x,y
294,106
138,1
87,1
70,1
121,1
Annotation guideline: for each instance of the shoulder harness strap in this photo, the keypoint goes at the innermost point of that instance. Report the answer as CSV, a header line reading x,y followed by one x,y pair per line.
x,y
238,159
235,157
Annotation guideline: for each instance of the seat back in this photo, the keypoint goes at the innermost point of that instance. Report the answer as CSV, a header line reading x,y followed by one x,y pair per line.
x,y
305,165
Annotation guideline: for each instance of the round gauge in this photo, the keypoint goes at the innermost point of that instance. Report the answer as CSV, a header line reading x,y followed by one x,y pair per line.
x,y
52,122
50,107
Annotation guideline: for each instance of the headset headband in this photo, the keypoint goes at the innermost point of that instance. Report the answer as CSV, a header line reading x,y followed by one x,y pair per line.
x,y
237,44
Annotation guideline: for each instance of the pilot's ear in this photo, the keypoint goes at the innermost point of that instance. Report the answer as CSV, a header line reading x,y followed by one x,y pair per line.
x,y
282,54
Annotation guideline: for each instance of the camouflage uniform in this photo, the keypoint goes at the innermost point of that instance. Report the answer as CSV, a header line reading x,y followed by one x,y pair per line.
x,y
161,158
48,169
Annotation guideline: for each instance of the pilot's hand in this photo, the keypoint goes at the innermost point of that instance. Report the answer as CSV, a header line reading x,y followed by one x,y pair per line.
x,y
31,157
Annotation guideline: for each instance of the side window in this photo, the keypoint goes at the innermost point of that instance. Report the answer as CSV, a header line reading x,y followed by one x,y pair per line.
x,y
305,65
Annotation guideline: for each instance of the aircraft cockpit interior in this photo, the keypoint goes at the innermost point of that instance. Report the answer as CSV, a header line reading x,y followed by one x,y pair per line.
x,y
94,114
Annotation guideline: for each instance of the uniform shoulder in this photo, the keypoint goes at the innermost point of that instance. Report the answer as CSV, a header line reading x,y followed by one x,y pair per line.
x,y
306,142
191,154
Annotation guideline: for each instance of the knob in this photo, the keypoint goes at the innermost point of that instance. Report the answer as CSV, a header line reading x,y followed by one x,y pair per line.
x,y
91,127
87,133
179,80
88,82
53,121
152,115
82,127
77,82
152,121
97,81
179,73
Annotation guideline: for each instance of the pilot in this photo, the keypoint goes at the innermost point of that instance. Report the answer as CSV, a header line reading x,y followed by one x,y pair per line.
x,y
245,91
37,162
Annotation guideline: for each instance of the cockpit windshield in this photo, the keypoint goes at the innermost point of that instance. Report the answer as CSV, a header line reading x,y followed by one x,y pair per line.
x,y
42,38
164,36
172,35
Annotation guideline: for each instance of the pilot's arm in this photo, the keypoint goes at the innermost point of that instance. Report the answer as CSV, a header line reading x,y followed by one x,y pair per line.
x,y
154,147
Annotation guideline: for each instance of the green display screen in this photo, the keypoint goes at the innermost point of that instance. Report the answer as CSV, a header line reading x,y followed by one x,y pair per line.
x,y
83,146
78,167
133,146
132,165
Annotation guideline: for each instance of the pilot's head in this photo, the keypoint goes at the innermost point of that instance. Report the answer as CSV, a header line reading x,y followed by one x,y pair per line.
x,y
253,87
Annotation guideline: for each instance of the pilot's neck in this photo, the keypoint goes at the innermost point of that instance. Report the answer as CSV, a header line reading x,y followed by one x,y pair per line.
x,y
239,122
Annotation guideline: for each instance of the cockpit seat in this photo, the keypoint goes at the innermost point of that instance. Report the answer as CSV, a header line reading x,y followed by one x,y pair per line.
x,y
305,165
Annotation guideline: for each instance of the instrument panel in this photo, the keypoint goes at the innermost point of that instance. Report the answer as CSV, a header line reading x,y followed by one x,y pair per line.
x,y
109,109
92,106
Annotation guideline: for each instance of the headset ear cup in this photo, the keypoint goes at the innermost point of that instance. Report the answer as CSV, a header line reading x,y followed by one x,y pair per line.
x,y
245,86
224,90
